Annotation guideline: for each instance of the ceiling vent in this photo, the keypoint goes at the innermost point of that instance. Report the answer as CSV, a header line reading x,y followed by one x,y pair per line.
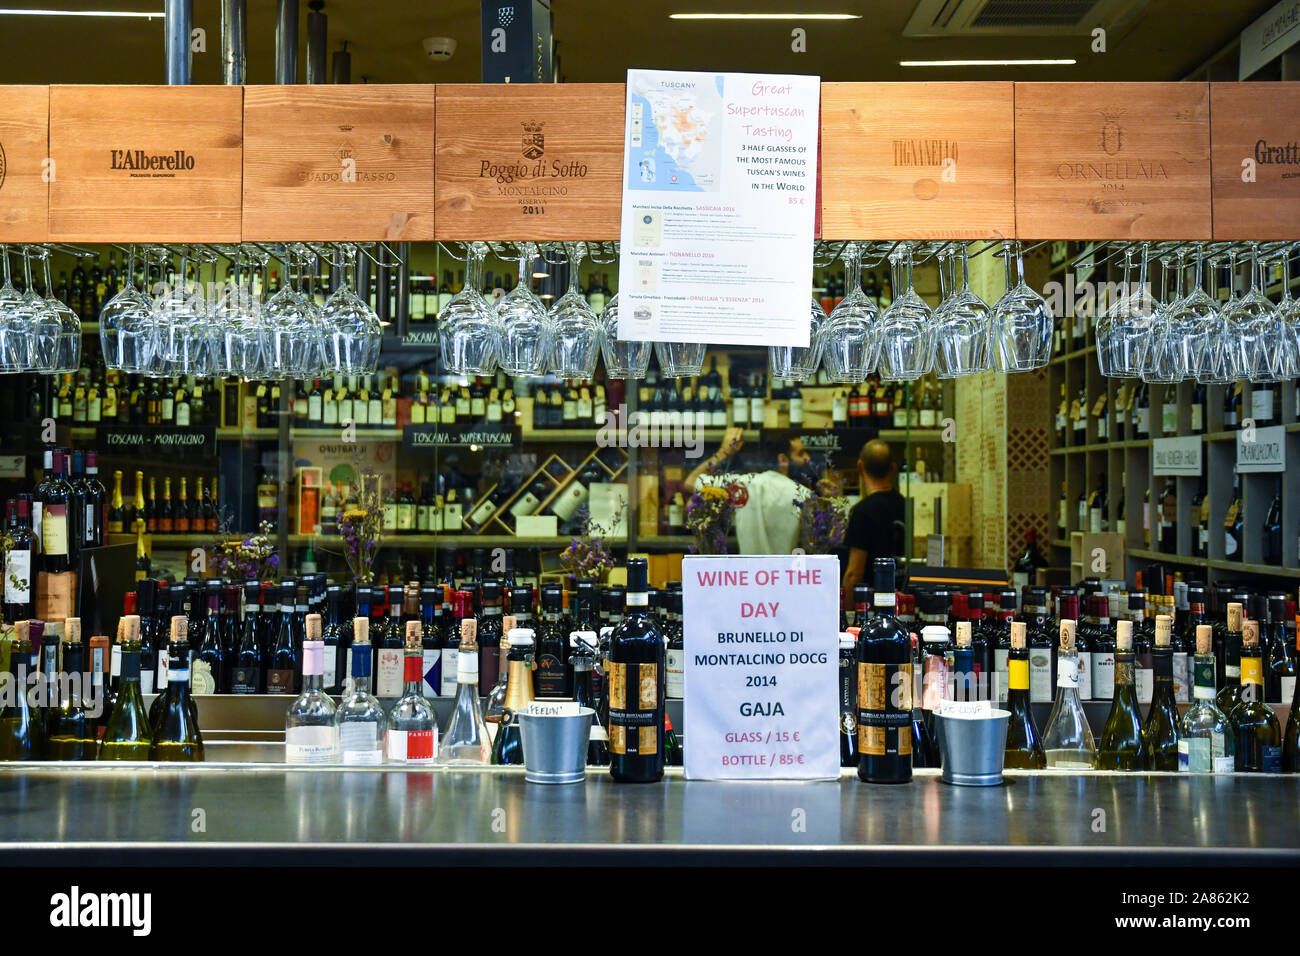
x,y
1004,18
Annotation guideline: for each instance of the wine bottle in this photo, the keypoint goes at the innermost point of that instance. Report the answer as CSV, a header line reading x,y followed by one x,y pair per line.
x,y
1121,738
582,654
1256,731
412,735
1279,662
551,677
1206,743
1160,732
176,735
636,686
20,565
1067,740
466,741
508,746
488,636
390,665
937,663
282,660
22,734
71,732
884,656
1229,695
360,718
310,734
127,735
55,557
1291,739
1024,748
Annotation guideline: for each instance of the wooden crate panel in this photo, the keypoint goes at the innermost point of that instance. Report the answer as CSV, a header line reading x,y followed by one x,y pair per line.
x,y
1256,122
24,147
918,160
350,162
146,163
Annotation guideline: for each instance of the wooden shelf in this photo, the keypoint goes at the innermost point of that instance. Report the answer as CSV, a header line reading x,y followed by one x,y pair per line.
x,y
1077,353
1185,559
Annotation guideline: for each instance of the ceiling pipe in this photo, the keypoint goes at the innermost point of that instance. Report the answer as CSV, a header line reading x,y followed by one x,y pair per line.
x,y
234,43
178,15
286,41
343,65
317,23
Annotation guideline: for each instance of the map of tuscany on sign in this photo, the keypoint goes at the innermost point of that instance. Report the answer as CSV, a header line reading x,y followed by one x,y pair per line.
x,y
719,183
761,667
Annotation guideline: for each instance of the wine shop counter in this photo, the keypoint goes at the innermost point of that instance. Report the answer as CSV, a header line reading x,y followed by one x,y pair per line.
x,y
210,814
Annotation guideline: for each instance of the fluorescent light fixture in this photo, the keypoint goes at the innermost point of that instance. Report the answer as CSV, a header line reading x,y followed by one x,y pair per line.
x,y
33,12
987,62
764,16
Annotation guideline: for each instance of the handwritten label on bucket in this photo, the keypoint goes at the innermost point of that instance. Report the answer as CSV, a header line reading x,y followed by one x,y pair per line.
x,y
969,709
554,708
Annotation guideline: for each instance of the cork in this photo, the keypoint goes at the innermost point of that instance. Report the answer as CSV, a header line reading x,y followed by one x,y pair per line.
x,y
1204,638
1018,635
413,635
180,628
1162,630
1124,637
508,624
22,630
1067,636
72,630
1234,617
312,628
121,629
131,628
963,634
1250,634
361,630
468,634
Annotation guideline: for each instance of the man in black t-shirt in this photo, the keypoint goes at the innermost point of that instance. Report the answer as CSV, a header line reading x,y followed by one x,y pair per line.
x,y
877,522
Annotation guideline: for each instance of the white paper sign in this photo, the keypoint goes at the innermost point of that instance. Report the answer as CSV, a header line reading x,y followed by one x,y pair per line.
x,y
1261,449
719,184
762,667
1177,456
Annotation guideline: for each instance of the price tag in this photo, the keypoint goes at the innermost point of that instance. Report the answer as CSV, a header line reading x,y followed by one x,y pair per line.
x,y
965,709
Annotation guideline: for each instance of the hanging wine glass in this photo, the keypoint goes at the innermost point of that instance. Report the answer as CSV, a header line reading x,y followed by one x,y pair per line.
x,y
962,323
1193,319
800,363
43,326
1289,307
469,332
527,336
1020,331
851,336
1164,354
14,343
125,323
352,328
907,329
577,330
1261,353
68,357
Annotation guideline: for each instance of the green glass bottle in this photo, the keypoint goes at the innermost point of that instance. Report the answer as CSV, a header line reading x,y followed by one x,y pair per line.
x,y
1256,731
1024,750
1229,695
1160,733
176,735
1121,739
21,729
72,734
127,735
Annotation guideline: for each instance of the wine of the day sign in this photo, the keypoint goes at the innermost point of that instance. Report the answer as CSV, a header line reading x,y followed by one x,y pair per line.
x,y
761,666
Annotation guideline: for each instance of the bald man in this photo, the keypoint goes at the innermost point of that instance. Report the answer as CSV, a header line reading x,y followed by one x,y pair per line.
x,y
877,522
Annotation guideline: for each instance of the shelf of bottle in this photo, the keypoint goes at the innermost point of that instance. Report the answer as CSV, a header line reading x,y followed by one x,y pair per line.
x,y
1076,353
587,434
429,541
1218,565
1101,446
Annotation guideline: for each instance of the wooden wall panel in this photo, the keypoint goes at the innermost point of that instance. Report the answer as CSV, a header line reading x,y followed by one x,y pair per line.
x,y
1257,122
24,147
530,161
350,162
918,160
1113,160
146,163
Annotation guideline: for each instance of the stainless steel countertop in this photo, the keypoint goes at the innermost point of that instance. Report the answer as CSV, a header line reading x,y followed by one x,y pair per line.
x,y
214,813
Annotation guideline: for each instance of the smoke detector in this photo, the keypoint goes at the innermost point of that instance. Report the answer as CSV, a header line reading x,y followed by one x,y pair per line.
x,y
439,49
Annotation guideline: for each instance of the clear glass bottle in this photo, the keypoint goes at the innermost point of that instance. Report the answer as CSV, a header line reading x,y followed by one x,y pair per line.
x,y
1206,744
310,736
360,717
412,735
1067,739
496,701
1160,732
466,741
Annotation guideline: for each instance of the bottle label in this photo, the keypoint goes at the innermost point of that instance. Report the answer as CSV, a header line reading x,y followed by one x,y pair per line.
x,y
359,743
1145,679
549,678
54,529
1067,673
1197,417
1261,404
411,746
1288,690
885,710
635,709
432,658
1103,675
115,662
934,682
1271,758
244,680
330,665
1040,675
18,577
1017,675
1252,672
279,681
450,668
1182,681
311,745
146,681
1000,661
466,668
1085,675
389,673
677,673
203,682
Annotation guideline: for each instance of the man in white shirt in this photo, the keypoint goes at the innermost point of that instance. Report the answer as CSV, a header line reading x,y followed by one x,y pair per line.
x,y
768,521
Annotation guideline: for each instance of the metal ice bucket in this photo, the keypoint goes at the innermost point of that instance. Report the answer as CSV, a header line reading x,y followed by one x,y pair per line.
x,y
555,744
972,748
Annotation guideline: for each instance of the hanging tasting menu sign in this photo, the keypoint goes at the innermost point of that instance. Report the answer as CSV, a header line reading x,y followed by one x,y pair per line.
x,y
719,202
760,666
